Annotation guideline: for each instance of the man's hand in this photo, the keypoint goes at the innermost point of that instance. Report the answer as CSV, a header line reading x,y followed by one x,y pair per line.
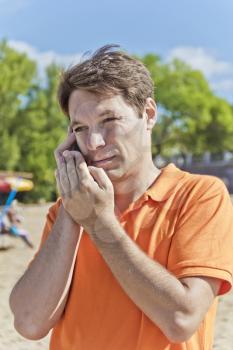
x,y
86,191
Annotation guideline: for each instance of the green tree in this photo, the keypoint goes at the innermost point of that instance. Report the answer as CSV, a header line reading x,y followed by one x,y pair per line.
x,y
185,102
43,128
191,118
17,74
219,131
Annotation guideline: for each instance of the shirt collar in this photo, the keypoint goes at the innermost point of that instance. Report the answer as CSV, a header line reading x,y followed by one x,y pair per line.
x,y
161,189
165,184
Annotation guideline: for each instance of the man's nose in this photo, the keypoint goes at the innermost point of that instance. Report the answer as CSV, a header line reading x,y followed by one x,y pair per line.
x,y
95,140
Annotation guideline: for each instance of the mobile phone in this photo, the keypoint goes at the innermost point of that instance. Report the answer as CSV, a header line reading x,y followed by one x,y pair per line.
x,y
75,147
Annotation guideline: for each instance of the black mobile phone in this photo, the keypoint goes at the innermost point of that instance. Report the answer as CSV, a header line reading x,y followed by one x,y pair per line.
x,y
75,147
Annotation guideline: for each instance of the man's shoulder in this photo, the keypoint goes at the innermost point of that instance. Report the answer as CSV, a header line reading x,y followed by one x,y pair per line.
x,y
197,186
177,183
180,181
204,182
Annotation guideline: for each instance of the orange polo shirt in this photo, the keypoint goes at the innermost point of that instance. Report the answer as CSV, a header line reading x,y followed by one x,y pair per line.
x,y
185,223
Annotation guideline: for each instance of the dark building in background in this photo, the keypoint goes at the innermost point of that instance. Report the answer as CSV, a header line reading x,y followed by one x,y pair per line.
x,y
220,165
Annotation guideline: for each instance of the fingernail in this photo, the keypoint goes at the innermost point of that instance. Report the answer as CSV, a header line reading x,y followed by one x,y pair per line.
x,y
65,153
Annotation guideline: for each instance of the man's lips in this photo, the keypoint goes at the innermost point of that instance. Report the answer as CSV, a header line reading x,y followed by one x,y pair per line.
x,y
102,161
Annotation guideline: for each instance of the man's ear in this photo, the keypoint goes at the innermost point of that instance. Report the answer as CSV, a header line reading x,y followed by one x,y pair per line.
x,y
150,112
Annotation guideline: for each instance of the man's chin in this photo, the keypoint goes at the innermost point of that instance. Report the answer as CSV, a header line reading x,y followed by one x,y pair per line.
x,y
115,175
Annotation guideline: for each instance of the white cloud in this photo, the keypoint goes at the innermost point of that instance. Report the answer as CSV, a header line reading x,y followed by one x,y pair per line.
x,y
200,58
218,72
224,85
45,58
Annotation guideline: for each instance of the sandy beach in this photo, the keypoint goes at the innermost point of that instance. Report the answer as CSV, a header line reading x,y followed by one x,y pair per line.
x,y
13,263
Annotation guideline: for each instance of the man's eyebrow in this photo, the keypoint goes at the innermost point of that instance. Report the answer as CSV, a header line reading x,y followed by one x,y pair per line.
x,y
105,112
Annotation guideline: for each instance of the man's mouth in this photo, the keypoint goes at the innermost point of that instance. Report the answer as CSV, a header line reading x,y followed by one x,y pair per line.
x,y
103,161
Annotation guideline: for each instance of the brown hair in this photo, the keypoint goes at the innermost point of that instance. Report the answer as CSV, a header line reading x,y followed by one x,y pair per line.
x,y
108,72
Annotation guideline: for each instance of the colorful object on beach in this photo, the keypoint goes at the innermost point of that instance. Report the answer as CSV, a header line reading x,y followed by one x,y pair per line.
x,y
4,186
10,221
12,185
18,183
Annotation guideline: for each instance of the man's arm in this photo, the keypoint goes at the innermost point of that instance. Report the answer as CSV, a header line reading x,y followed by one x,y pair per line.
x,y
176,306
39,297
173,305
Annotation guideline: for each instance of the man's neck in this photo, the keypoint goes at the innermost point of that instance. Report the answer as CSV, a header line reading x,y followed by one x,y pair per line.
x,y
133,187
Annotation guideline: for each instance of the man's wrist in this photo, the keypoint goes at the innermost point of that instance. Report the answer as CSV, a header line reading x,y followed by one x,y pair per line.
x,y
66,218
106,231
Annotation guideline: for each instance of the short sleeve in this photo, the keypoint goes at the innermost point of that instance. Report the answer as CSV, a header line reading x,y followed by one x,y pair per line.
x,y
50,219
202,244
49,222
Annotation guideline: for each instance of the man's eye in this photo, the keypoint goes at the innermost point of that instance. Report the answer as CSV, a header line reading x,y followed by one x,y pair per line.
x,y
79,128
109,119
82,128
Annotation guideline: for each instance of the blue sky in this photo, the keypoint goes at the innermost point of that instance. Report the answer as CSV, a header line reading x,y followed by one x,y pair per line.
x,y
199,32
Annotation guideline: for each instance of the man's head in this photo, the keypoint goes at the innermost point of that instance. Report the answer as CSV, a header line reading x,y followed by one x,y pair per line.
x,y
108,99
108,72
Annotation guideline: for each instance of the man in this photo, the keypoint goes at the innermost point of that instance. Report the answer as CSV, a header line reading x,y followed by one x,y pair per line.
x,y
132,257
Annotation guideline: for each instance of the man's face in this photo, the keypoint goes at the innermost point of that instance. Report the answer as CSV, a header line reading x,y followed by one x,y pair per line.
x,y
109,133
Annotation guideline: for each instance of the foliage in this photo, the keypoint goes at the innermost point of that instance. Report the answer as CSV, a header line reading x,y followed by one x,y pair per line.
x,y
191,118
31,124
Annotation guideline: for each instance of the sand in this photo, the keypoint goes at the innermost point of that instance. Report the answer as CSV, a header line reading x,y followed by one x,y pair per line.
x,y
13,263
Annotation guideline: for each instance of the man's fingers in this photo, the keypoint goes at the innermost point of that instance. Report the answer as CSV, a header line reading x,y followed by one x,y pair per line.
x,y
60,190
64,179
69,141
69,130
71,170
67,144
83,173
58,157
100,177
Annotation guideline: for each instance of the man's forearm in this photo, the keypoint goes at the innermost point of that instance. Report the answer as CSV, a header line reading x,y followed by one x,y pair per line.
x,y
159,294
38,295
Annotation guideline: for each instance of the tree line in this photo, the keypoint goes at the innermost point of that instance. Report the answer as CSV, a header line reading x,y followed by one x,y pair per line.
x,y
192,119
